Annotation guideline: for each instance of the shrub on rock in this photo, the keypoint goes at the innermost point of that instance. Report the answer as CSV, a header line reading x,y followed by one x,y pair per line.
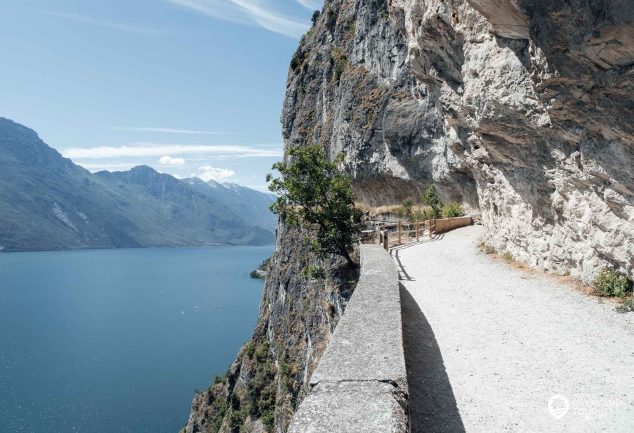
x,y
452,210
610,282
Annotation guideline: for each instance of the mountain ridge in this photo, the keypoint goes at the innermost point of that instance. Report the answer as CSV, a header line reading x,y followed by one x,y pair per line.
x,y
47,202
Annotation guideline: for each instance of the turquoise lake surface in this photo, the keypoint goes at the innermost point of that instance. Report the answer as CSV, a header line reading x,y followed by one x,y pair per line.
x,y
108,341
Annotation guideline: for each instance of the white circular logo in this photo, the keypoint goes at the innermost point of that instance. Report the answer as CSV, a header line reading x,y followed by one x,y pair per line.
x,y
558,406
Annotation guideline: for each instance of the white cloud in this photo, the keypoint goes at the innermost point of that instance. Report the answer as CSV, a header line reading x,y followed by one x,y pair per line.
x,y
169,130
140,150
168,160
207,173
102,23
116,166
311,4
259,12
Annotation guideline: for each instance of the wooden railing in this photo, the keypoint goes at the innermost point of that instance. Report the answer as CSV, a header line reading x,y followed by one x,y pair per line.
x,y
392,234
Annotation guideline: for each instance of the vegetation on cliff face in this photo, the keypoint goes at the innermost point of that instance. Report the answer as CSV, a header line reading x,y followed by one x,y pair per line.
x,y
307,286
314,193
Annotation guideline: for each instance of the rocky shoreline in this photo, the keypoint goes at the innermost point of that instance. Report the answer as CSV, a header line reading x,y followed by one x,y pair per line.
x,y
261,271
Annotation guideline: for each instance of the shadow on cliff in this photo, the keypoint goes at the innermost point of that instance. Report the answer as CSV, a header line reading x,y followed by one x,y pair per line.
x,y
432,402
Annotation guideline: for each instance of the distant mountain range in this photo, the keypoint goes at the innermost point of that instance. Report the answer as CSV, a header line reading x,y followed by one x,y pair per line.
x,y
48,203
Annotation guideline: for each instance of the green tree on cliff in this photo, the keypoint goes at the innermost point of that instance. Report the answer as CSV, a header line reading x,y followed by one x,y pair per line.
x,y
313,192
430,198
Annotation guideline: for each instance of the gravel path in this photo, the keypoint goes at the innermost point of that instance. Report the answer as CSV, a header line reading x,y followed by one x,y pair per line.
x,y
488,346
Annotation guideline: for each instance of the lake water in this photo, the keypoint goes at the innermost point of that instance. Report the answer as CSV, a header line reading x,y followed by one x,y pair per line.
x,y
107,341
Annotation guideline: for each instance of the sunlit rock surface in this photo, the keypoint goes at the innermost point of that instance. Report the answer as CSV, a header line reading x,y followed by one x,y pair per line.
x,y
522,109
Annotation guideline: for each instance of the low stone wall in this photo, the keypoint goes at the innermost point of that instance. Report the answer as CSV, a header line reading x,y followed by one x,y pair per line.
x,y
360,384
446,224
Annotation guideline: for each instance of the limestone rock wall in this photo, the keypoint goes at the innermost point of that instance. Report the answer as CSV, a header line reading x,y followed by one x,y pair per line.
x,y
520,108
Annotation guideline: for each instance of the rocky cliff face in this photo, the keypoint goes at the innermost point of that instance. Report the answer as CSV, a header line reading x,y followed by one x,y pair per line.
x,y
302,302
519,108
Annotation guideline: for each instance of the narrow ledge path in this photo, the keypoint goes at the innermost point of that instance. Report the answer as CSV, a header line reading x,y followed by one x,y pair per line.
x,y
489,348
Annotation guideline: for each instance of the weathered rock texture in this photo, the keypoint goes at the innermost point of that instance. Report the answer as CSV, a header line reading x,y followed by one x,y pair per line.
x,y
520,108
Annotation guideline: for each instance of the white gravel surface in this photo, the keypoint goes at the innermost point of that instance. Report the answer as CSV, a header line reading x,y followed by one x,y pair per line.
x,y
488,346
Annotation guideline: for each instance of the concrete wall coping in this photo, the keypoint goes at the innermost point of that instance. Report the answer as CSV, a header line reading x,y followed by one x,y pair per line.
x,y
360,384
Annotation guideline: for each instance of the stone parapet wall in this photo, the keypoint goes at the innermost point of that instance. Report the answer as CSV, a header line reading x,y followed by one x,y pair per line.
x,y
360,385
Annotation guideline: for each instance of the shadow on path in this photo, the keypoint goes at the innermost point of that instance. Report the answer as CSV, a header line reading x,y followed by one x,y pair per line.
x,y
433,238
403,275
432,402
394,252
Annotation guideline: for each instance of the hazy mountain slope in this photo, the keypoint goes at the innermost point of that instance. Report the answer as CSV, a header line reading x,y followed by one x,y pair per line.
x,y
47,202
252,205
160,199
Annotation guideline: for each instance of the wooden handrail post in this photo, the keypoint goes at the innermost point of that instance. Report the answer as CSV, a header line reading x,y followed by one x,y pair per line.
x,y
417,225
399,232
386,242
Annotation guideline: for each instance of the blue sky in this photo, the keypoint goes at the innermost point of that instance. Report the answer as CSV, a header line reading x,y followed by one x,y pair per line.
x,y
189,87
